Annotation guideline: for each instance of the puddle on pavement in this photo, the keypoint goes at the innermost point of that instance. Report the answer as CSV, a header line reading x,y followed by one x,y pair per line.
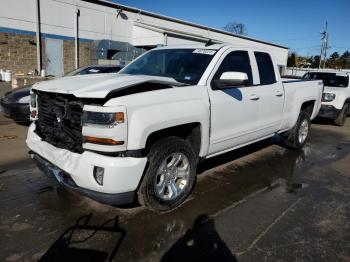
x,y
7,137
132,234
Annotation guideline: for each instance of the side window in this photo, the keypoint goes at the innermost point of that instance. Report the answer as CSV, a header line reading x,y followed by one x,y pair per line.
x,y
236,61
266,70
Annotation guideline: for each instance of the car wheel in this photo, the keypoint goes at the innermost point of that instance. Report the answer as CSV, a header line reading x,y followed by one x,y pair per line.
x,y
298,135
340,120
170,175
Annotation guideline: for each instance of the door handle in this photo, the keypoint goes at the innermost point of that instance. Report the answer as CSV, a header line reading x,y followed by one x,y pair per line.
x,y
279,93
254,97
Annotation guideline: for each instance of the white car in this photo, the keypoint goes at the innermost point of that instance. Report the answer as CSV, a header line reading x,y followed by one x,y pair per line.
x,y
141,133
336,96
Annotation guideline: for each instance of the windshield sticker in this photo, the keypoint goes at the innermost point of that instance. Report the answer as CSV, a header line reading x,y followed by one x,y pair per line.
x,y
188,78
94,70
204,51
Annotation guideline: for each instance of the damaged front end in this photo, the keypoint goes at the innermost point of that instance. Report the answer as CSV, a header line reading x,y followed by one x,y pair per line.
x,y
59,120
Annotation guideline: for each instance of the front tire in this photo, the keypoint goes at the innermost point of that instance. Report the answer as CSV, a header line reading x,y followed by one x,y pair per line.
x,y
170,176
298,135
341,118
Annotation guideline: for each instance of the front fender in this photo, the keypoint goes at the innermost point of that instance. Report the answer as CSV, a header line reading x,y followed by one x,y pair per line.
x,y
144,121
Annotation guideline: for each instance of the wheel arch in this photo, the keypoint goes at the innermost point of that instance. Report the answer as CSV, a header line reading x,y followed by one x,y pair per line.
x,y
308,107
191,132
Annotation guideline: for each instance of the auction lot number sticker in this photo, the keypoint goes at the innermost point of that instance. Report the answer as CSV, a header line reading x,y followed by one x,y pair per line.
x,y
204,51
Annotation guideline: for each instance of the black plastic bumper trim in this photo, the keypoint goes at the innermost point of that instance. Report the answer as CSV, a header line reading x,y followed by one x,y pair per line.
x,y
65,180
328,111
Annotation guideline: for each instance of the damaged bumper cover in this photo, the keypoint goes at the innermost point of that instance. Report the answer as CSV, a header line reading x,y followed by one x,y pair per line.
x,y
64,179
122,175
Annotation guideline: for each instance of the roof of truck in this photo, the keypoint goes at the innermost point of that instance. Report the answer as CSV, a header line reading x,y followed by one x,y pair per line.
x,y
213,47
195,46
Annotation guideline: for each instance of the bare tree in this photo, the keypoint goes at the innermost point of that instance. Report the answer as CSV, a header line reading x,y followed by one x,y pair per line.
x,y
236,28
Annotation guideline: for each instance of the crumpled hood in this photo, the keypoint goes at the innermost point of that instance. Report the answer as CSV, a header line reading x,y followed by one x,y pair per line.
x,y
98,85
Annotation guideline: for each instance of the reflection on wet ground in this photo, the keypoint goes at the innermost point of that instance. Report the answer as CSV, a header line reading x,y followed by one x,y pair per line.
x,y
40,221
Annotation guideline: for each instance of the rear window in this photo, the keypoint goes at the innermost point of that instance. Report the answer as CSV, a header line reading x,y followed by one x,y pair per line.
x,y
329,79
265,67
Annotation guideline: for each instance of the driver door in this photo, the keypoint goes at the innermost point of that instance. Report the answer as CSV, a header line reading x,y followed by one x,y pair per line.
x,y
234,110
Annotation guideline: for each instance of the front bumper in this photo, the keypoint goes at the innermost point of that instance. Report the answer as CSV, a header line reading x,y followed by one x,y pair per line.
x,y
64,179
121,174
329,111
17,111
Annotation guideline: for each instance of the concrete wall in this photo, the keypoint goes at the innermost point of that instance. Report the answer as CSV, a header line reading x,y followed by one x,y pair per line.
x,y
85,54
18,52
294,71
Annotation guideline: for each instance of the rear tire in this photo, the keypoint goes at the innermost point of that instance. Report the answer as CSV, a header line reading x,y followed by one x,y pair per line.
x,y
341,118
170,176
298,135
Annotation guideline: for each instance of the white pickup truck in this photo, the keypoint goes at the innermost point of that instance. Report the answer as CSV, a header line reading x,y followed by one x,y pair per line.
x,y
336,96
140,133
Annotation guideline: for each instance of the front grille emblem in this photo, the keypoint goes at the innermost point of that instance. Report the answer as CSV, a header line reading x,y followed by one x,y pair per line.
x,y
58,120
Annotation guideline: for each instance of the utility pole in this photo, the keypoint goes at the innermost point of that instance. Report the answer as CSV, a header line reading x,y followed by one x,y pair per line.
x,y
76,40
324,46
38,36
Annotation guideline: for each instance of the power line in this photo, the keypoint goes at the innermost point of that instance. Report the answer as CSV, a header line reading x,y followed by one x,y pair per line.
x,y
306,47
341,47
297,38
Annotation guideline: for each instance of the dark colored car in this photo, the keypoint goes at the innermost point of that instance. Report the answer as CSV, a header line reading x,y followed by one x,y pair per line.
x,y
15,104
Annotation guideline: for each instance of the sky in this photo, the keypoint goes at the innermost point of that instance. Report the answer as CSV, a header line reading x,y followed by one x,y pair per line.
x,y
296,24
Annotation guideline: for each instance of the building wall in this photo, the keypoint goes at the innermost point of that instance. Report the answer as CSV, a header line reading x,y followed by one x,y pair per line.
x,y
18,52
85,54
99,23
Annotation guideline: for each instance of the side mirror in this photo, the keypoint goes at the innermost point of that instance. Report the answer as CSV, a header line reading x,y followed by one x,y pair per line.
x,y
231,79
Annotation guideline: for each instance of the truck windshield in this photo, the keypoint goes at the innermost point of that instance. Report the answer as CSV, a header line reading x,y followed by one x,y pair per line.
x,y
184,65
329,79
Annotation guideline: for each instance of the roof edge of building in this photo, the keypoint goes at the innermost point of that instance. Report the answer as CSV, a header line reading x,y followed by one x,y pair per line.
x,y
137,10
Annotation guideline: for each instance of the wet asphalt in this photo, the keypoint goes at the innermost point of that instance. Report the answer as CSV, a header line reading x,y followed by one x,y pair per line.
x,y
259,203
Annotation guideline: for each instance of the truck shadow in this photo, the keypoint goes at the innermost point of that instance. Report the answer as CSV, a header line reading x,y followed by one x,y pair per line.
x,y
200,243
323,121
87,242
327,121
236,154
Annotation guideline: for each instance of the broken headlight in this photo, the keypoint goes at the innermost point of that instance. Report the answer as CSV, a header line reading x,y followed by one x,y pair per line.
x,y
32,100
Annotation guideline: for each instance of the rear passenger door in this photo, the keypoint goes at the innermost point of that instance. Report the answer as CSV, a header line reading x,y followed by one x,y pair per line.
x,y
271,95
